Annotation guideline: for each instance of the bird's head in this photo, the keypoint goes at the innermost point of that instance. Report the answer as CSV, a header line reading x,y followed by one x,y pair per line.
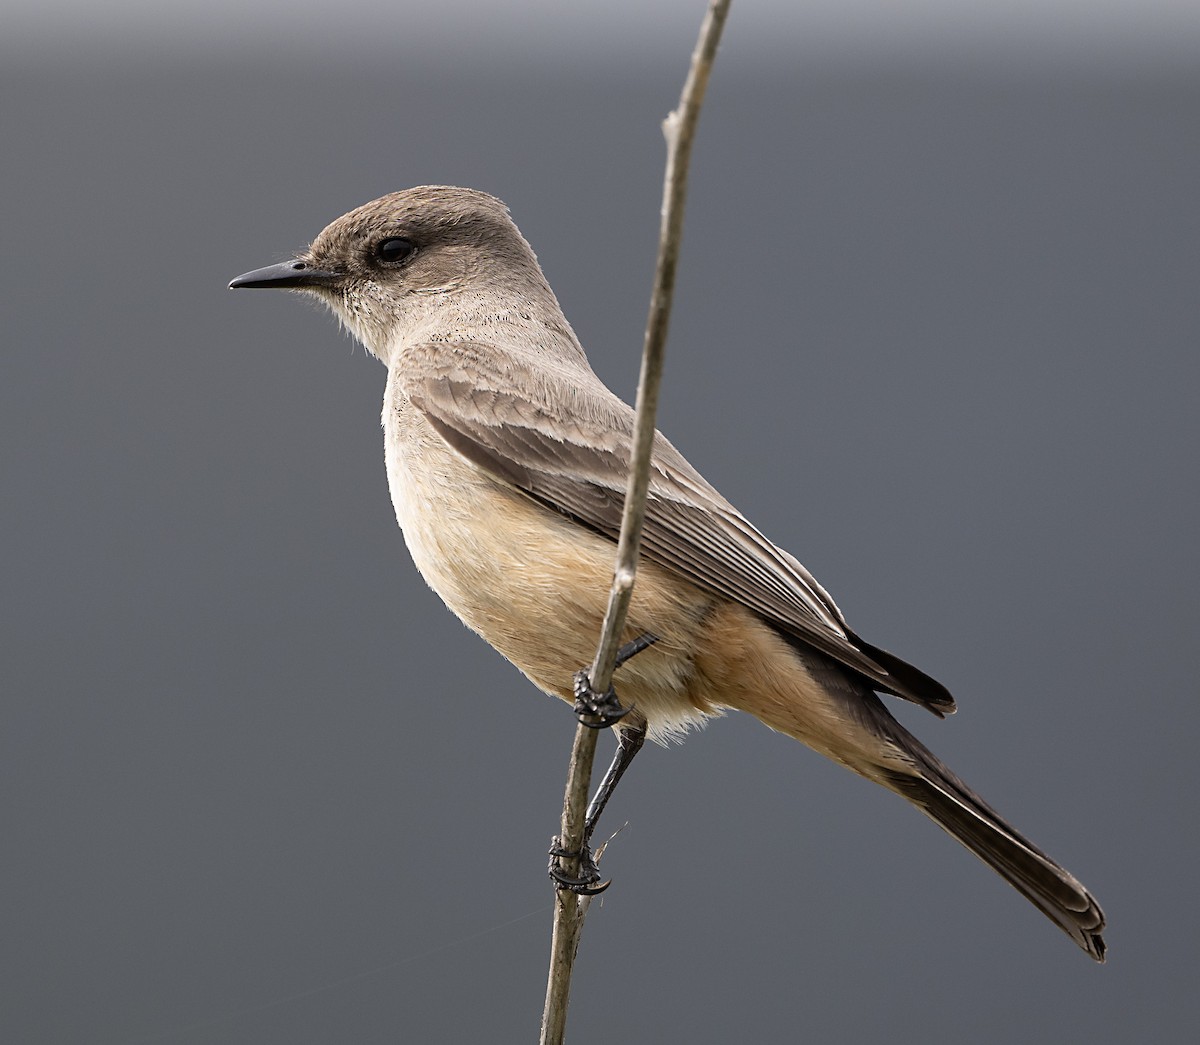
x,y
413,263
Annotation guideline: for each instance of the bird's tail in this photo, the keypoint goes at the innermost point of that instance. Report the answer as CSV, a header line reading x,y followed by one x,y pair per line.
x,y
946,800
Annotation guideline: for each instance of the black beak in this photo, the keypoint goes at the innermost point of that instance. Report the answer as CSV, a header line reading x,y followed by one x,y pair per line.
x,y
288,275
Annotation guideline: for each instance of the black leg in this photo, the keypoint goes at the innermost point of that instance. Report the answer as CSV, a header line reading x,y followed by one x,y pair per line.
x,y
629,743
598,713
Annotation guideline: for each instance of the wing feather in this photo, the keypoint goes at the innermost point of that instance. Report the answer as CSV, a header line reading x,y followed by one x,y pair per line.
x,y
563,439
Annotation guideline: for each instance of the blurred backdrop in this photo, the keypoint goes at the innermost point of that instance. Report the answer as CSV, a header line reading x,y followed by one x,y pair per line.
x,y
260,787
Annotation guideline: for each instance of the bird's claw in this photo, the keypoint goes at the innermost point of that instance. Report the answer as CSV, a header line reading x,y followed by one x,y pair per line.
x,y
587,883
596,711
599,711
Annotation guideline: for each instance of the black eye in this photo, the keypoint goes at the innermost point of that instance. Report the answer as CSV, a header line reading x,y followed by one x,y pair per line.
x,y
394,249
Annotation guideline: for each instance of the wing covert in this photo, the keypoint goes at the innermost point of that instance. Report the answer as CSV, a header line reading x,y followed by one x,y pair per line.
x,y
562,438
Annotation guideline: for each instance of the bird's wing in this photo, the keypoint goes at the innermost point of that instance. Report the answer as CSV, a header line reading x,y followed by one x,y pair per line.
x,y
563,439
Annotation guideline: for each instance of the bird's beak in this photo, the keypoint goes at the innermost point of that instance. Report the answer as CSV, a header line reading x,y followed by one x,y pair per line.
x,y
288,275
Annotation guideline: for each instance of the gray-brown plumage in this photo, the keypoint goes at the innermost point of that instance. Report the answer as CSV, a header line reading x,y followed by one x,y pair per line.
x,y
507,458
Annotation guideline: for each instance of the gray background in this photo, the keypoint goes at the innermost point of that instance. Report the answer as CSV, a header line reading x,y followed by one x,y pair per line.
x,y
941,270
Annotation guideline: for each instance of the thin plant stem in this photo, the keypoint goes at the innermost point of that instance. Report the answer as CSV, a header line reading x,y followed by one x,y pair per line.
x,y
679,129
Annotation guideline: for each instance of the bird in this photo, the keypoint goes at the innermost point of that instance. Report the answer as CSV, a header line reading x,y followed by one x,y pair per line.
x,y
507,460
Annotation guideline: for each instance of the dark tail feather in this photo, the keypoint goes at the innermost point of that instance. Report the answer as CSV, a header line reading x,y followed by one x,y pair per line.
x,y
947,801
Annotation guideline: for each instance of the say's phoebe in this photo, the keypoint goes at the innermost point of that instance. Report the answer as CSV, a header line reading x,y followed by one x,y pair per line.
x,y
507,461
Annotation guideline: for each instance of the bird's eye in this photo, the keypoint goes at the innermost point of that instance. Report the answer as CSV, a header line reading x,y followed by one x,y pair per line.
x,y
394,249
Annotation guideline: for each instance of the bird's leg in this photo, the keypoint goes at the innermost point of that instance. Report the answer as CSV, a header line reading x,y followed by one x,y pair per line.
x,y
629,742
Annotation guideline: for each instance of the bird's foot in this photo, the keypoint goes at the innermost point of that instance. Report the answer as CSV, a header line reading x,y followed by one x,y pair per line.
x,y
587,882
601,710
596,711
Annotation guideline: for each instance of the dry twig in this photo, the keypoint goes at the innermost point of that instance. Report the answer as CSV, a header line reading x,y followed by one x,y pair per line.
x,y
679,128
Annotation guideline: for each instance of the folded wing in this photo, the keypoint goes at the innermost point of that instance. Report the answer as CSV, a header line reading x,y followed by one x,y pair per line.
x,y
565,441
